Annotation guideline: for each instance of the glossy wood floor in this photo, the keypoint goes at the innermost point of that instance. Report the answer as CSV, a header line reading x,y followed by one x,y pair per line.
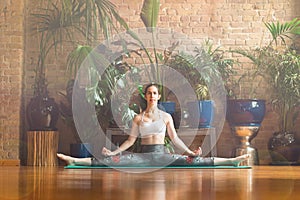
x,y
55,183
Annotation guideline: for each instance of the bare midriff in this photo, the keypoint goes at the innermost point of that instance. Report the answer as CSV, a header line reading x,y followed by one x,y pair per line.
x,y
153,139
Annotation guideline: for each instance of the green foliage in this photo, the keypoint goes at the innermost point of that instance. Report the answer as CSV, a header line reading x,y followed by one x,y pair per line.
x,y
281,68
76,58
53,27
283,30
149,13
206,66
283,74
71,22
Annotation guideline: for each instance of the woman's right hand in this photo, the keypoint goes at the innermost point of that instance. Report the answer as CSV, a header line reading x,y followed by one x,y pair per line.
x,y
107,152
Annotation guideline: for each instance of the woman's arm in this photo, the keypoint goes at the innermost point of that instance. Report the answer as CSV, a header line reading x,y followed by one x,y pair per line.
x,y
127,143
177,141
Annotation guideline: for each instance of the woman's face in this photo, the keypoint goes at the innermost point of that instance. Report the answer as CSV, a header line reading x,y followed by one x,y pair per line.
x,y
152,95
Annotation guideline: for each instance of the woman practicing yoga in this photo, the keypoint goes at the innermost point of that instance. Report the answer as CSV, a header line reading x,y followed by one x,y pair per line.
x,y
151,125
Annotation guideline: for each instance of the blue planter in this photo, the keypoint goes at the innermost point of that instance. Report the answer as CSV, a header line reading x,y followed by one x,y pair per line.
x,y
201,114
245,112
81,150
167,106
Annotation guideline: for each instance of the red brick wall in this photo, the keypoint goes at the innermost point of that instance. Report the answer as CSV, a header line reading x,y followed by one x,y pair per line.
x,y
229,23
11,66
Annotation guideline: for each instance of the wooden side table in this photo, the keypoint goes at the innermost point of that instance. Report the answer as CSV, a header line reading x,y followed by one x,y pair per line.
x,y
42,147
204,137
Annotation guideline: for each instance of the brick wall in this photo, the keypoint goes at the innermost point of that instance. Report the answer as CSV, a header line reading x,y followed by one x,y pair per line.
x,y
11,63
229,23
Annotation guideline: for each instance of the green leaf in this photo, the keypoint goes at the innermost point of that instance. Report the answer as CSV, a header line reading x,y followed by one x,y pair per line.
x,y
149,13
282,31
76,58
296,30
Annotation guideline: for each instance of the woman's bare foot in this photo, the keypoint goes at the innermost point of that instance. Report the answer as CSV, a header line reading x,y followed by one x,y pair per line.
x,y
237,160
68,159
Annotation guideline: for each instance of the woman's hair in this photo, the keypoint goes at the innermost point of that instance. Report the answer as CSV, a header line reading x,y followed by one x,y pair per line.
x,y
150,85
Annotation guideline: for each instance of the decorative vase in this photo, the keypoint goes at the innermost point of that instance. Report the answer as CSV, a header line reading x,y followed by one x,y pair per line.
x,y
284,149
200,113
42,113
245,117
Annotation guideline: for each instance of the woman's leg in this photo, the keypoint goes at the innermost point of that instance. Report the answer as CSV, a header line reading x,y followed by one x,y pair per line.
x,y
120,160
231,161
183,160
75,161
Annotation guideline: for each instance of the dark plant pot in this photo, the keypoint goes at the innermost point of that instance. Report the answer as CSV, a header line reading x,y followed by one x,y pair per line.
x,y
284,149
81,150
245,112
200,113
168,106
42,113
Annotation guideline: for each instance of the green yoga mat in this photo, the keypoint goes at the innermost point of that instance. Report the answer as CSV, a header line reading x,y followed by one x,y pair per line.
x,y
156,167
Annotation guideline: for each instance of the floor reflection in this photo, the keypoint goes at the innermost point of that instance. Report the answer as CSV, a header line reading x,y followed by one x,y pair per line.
x,y
46,183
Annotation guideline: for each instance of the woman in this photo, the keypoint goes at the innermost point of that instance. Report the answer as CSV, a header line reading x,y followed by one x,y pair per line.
x,y
151,125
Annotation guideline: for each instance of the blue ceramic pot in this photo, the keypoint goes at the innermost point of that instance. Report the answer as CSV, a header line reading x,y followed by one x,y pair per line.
x,y
245,112
167,106
201,113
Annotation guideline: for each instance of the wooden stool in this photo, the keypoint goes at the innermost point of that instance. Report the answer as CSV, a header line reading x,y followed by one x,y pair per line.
x,y
42,147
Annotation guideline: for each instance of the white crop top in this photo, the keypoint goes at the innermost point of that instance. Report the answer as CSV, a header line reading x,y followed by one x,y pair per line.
x,y
157,127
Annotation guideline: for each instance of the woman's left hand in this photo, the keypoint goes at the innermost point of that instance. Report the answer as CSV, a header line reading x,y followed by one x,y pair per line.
x,y
197,152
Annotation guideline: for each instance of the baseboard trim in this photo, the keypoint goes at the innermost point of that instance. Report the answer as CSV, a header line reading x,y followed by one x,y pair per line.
x,y
9,162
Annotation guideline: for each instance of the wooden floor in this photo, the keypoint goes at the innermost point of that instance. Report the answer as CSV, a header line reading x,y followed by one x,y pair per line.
x,y
55,183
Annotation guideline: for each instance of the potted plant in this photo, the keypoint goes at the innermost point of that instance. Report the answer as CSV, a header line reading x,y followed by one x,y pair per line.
x,y
74,23
279,66
282,72
245,107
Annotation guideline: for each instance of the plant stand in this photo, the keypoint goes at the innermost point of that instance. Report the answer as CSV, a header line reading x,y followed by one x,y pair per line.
x,y
245,117
245,134
42,147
